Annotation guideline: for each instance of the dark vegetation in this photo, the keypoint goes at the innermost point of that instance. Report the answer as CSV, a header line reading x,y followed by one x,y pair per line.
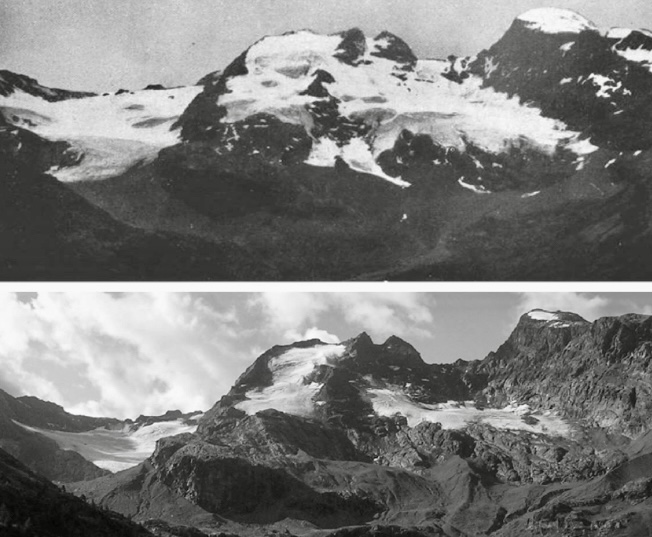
x,y
31,506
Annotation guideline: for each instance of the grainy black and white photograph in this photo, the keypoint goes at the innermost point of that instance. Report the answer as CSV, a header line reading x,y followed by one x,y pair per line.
x,y
302,140
325,414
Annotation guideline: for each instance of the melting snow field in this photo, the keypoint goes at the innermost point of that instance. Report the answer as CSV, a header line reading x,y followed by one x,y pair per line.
x,y
290,392
115,132
452,415
116,450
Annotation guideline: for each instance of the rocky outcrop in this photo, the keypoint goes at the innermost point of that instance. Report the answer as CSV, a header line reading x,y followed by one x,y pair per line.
x,y
577,78
595,372
11,82
31,505
338,462
35,412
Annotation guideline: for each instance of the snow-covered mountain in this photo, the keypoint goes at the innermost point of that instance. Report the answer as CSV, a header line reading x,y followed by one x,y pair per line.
x,y
526,161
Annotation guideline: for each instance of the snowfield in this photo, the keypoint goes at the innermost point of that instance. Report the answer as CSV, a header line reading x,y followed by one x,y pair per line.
x,y
116,450
114,132
387,98
452,415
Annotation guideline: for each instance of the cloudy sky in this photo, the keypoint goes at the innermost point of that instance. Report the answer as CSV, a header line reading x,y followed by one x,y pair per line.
x,y
144,353
104,45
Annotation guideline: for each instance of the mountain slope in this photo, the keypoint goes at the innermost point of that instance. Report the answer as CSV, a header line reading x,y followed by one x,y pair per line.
x,y
344,156
49,232
319,436
65,447
32,506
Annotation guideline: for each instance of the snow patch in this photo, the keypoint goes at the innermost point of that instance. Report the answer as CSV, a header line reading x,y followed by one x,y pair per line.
x,y
606,86
637,55
542,315
531,194
618,33
556,21
478,189
582,147
567,46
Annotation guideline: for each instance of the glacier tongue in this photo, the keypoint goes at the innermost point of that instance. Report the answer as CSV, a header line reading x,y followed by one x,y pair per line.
x,y
113,132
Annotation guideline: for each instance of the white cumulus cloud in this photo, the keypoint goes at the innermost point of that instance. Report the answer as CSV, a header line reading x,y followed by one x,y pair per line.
x,y
135,353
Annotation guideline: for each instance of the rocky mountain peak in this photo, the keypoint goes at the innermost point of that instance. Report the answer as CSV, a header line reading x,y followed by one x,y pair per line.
x,y
11,82
352,47
392,47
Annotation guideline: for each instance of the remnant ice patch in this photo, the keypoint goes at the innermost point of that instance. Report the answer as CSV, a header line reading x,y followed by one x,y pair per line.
x,y
478,189
452,415
567,46
116,450
289,391
531,194
542,315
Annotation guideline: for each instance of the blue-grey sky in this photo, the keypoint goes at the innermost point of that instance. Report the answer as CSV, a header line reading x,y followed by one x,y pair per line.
x,y
106,44
126,354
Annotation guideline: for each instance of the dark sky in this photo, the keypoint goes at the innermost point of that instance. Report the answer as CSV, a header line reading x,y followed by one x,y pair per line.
x,y
107,44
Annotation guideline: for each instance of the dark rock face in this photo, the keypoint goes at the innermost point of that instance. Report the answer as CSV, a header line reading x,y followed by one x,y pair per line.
x,y
46,415
395,49
10,82
635,40
417,159
352,47
72,239
25,148
335,467
316,87
563,74
203,114
31,505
